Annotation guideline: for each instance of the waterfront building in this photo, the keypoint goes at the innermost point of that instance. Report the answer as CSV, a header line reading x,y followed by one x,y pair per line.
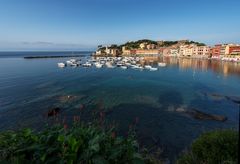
x,y
201,51
186,50
215,51
145,52
166,51
125,51
174,52
232,49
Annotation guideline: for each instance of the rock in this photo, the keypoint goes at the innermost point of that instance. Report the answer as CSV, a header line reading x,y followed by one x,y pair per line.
x,y
180,109
233,99
67,98
215,96
53,112
205,116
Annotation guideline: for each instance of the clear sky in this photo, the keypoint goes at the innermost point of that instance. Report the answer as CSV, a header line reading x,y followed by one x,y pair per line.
x,y
83,24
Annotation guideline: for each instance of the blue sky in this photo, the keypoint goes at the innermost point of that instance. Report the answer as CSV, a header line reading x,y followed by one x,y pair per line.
x,y
83,24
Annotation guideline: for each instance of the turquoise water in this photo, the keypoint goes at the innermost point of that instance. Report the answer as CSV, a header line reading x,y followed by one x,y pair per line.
x,y
29,88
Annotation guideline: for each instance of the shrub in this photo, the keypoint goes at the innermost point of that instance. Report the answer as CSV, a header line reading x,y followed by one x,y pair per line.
x,y
220,146
79,144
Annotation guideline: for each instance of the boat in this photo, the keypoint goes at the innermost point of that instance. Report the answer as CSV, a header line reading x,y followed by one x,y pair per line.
x,y
109,65
148,66
74,64
153,69
98,65
161,64
87,64
61,65
124,67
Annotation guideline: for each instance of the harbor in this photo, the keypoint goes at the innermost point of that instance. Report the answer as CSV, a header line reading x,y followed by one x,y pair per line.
x,y
137,63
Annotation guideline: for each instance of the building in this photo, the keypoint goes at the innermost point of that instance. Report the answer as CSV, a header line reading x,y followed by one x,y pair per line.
x,y
143,46
186,50
215,51
145,52
201,51
151,46
174,52
125,51
232,49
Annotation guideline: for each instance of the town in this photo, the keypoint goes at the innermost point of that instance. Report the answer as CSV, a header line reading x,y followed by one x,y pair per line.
x,y
181,48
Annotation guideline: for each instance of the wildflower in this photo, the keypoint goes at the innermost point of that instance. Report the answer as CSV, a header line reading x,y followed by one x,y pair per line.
x,y
113,135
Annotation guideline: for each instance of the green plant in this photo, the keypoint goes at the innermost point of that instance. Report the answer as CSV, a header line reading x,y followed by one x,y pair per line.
x,y
82,143
219,146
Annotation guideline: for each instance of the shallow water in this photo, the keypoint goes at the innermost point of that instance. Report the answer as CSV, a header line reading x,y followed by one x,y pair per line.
x,y
29,88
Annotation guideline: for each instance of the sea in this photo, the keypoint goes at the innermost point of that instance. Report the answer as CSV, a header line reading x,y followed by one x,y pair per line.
x,y
153,103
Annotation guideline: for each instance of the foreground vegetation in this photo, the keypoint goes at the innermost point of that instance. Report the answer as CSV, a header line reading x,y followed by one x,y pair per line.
x,y
79,144
93,144
214,147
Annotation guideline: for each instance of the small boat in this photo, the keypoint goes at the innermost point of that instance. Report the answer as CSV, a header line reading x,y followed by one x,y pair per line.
x,y
87,64
148,66
109,65
119,64
162,64
153,69
61,65
124,67
98,65
74,64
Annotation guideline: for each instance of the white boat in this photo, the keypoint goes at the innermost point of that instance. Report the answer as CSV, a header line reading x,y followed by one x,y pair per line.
x,y
74,64
148,66
162,64
153,69
124,67
109,65
87,64
61,65
98,65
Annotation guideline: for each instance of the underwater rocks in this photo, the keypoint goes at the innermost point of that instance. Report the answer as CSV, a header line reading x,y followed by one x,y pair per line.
x,y
53,112
70,98
196,114
64,99
215,96
218,97
235,100
205,116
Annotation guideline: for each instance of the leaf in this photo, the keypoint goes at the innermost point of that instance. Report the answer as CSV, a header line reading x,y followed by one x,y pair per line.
x,y
61,138
95,147
27,132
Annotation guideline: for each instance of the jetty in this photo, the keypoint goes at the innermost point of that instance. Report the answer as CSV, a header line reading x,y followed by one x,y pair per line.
x,y
53,56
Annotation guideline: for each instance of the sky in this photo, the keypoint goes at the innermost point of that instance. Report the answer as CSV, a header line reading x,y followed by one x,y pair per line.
x,y
84,24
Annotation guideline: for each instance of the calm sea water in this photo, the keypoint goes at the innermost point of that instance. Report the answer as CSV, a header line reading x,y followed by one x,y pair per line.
x,y
29,88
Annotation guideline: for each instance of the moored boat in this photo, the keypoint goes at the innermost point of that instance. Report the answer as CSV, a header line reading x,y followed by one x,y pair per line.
x,y
61,65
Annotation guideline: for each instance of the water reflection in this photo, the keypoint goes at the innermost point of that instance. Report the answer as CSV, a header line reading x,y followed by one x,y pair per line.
x,y
225,68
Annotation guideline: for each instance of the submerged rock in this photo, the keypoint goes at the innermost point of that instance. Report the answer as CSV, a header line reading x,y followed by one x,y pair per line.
x,y
215,96
205,116
67,98
194,113
233,99
53,112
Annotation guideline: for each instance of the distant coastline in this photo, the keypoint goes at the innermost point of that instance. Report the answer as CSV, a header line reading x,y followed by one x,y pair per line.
x,y
178,48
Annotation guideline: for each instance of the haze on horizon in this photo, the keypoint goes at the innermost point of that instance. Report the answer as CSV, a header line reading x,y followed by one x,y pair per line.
x,y
84,24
